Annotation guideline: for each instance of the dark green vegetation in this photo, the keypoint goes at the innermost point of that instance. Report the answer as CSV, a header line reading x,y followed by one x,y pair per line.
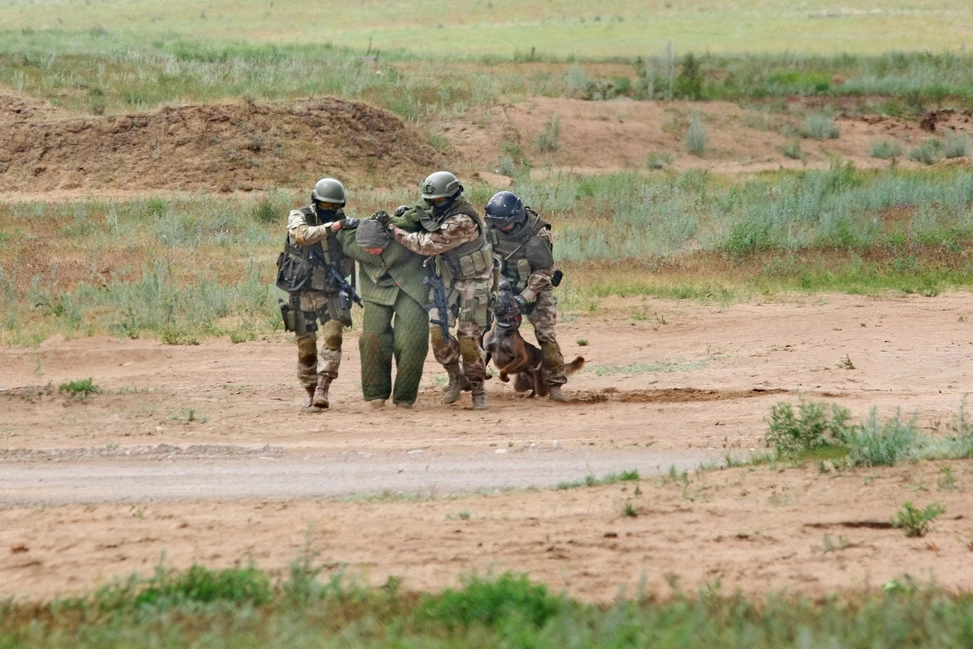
x,y
244,607
821,431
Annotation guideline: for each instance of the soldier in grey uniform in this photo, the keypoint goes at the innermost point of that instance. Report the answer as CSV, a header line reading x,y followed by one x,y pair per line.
x,y
523,245
446,228
303,271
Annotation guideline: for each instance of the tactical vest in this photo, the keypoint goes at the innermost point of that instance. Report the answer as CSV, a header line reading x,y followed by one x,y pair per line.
x,y
299,268
469,259
511,250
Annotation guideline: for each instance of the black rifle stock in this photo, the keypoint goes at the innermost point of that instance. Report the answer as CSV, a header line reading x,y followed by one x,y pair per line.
x,y
346,291
435,282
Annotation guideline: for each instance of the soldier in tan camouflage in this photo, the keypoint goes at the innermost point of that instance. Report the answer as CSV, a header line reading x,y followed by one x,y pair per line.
x,y
303,272
446,228
523,244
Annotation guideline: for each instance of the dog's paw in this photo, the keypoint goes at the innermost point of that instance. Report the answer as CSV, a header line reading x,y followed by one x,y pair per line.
x,y
503,377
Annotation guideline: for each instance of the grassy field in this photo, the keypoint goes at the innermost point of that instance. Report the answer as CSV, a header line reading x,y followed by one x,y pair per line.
x,y
131,267
243,607
507,28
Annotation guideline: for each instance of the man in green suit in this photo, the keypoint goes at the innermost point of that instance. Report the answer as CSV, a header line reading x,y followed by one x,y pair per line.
x,y
396,323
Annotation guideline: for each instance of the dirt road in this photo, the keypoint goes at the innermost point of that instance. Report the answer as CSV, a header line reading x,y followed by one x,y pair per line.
x,y
203,454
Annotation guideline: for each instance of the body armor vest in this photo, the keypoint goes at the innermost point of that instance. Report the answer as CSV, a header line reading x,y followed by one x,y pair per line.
x,y
468,259
299,267
511,250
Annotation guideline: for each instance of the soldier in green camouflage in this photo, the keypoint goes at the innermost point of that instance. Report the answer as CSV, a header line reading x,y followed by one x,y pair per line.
x,y
395,325
310,247
447,229
523,245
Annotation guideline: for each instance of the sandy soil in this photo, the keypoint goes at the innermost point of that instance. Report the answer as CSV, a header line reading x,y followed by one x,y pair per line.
x,y
204,454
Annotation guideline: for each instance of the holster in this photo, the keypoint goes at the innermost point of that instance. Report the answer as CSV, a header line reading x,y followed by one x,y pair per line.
x,y
296,320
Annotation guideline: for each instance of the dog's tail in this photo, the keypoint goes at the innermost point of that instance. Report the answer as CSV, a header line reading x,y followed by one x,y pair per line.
x,y
574,366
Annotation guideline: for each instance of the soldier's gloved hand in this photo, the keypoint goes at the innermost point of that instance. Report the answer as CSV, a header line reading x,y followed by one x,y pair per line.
x,y
521,302
401,209
382,217
348,224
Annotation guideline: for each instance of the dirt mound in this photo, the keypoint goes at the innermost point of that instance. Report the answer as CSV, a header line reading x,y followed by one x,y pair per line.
x,y
222,147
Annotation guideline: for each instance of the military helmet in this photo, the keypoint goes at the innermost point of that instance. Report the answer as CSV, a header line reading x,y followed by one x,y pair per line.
x,y
440,184
328,190
505,211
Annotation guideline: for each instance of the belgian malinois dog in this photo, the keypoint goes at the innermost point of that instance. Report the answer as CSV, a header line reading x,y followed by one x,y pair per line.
x,y
512,355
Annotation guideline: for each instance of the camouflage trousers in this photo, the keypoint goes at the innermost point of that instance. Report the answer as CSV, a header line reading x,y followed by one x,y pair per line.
x,y
469,312
312,362
543,317
397,332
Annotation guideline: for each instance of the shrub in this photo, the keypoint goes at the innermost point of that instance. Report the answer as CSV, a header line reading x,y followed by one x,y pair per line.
x,y
696,136
882,444
885,149
81,388
916,522
929,152
815,425
956,145
819,126
793,150
509,598
548,139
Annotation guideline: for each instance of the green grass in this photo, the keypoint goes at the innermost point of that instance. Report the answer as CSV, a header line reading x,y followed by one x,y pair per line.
x,y
689,235
820,432
245,607
507,28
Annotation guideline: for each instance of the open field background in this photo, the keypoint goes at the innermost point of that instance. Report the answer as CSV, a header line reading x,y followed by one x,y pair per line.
x,y
504,28
782,219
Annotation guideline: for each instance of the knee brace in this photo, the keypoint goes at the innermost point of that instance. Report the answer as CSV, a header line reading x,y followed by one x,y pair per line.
x,y
469,350
332,334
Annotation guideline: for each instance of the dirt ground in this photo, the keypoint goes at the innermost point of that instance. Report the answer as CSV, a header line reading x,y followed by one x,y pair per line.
x,y
204,453
161,466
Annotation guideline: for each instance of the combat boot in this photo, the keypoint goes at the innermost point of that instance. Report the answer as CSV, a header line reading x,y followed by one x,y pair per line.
x,y
554,394
479,397
310,395
320,398
457,383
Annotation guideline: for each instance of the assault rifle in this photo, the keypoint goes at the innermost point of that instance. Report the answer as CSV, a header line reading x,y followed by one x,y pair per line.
x,y
435,282
346,292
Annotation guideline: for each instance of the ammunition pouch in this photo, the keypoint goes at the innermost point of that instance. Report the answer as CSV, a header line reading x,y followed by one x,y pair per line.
x,y
294,272
338,307
295,320
477,308
476,262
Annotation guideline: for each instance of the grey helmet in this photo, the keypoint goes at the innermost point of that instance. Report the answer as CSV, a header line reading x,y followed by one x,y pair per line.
x,y
506,212
328,190
440,184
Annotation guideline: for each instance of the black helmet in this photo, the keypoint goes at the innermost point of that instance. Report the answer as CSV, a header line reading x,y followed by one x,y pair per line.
x,y
506,212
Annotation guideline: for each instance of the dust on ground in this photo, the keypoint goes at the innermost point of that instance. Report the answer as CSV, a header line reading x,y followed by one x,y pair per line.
x,y
667,386
185,454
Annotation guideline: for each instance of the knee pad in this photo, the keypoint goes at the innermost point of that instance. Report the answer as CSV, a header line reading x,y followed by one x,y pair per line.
x,y
332,334
469,350
551,357
436,337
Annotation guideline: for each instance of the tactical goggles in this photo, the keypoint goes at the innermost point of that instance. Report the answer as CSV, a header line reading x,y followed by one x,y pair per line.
x,y
441,200
327,207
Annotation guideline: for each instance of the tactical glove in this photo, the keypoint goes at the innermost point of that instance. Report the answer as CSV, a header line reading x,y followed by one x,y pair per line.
x,y
382,217
401,209
348,224
521,302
